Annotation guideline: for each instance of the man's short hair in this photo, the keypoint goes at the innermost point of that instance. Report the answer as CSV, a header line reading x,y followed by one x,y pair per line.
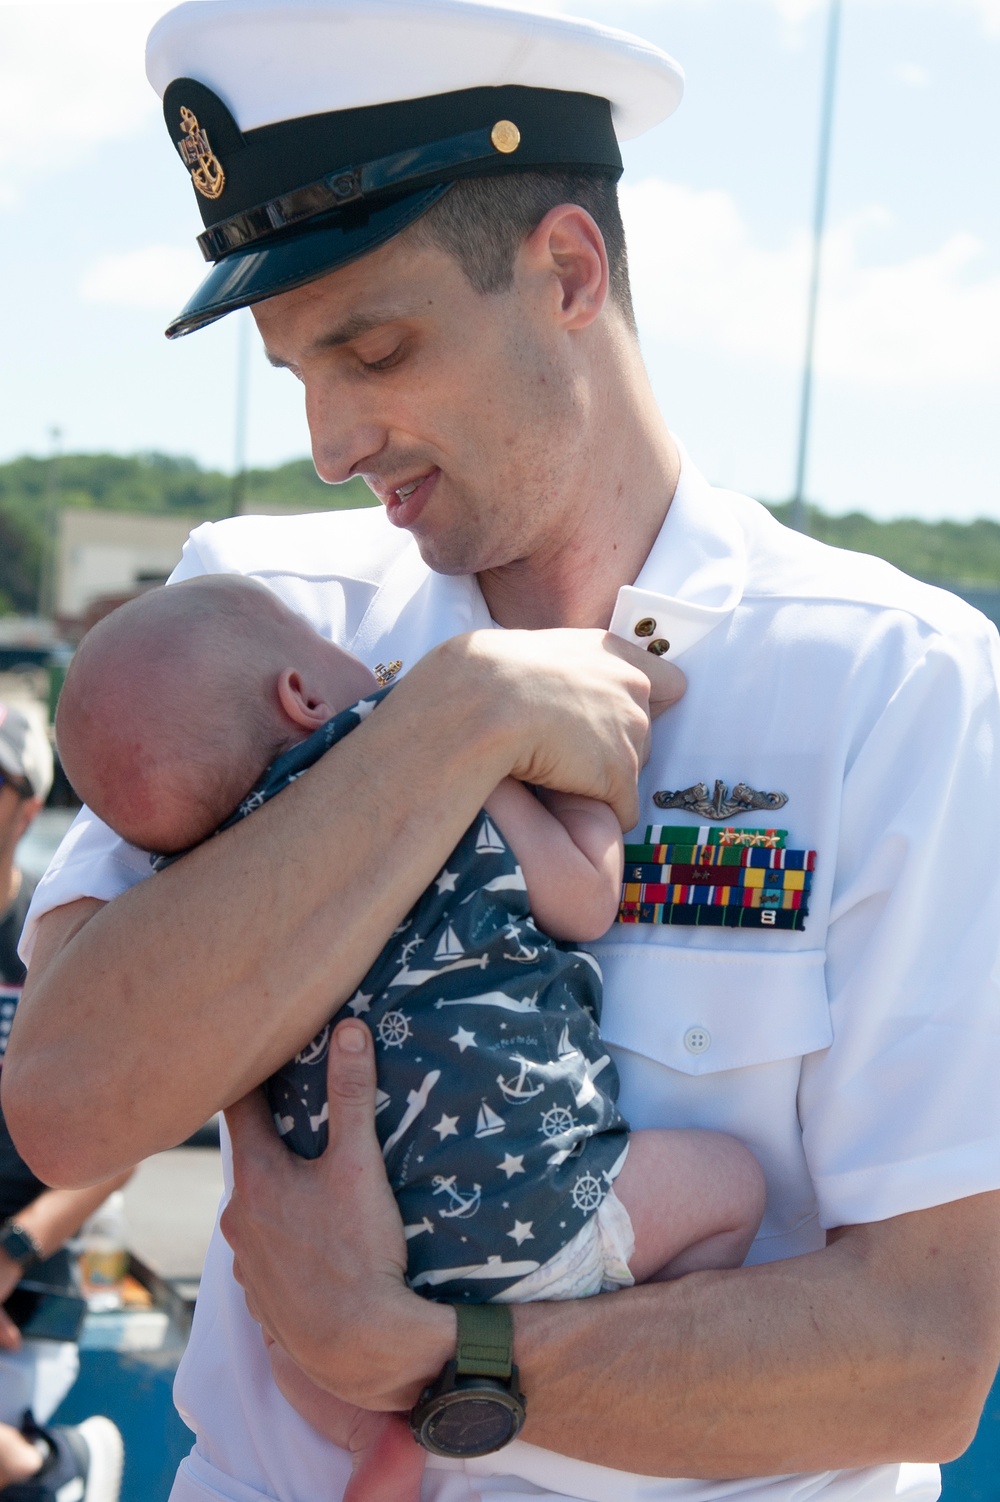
x,y
482,221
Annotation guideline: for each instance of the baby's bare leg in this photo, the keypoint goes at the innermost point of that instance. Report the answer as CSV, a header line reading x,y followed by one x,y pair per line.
x,y
695,1199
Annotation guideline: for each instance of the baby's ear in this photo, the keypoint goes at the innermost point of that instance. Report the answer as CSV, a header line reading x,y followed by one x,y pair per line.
x,y
307,710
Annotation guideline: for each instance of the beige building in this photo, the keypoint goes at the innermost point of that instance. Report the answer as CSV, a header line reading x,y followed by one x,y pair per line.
x,y
102,555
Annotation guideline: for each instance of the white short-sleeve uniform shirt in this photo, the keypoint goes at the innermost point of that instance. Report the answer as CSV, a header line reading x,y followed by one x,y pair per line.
x,y
858,1059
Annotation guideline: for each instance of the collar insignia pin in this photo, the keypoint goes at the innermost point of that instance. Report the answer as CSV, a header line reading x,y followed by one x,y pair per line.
x,y
198,156
386,674
696,800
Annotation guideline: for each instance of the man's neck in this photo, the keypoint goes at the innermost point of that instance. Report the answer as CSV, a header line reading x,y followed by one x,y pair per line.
x,y
629,482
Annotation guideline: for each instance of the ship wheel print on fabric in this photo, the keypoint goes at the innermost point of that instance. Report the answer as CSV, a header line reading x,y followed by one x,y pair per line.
x,y
587,1194
394,1029
317,1050
557,1121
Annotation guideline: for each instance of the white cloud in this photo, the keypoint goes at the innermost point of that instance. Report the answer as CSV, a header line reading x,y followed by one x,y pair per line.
x,y
158,277
701,280
72,79
912,74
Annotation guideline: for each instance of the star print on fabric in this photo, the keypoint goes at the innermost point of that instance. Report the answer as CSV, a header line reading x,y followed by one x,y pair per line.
x,y
359,1003
522,1231
464,1039
446,1127
446,881
512,1165
364,709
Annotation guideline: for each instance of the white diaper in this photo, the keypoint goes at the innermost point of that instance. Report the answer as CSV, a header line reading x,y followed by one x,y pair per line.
x,y
595,1261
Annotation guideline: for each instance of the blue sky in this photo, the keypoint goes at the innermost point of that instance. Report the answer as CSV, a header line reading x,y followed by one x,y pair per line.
x,y
98,224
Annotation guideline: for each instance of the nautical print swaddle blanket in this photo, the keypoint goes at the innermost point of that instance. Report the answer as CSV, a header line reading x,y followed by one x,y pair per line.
x,y
496,1098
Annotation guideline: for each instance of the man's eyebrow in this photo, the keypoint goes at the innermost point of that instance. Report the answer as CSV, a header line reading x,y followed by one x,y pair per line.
x,y
352,327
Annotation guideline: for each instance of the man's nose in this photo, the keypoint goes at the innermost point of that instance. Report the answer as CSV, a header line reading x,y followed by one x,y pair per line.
x,y
345,431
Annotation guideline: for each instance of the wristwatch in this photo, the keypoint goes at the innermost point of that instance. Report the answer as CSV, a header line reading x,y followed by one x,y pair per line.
x,y
473,1407
19,1244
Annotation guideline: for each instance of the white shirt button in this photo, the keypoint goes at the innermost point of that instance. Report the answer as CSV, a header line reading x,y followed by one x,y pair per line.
x,y
697,1039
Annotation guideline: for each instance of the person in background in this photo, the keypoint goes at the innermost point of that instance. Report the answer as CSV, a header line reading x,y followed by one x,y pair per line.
x,y
37,1463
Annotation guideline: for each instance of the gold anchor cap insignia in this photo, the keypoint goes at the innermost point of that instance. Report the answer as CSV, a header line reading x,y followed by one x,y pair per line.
x,y
696,800
197,155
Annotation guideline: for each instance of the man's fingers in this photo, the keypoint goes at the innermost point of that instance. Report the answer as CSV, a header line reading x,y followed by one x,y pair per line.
x,y
10,1335
251,1128
666,682
350,1085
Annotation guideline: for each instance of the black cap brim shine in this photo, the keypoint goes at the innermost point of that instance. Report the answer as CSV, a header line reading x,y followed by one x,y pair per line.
x,y
298,257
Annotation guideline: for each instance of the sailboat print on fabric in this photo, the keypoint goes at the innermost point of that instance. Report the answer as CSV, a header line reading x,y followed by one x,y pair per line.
x,y
488,1123
450,945
488,841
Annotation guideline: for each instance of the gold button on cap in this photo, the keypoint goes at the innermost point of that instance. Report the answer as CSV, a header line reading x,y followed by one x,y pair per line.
x,y
505,136
646,626
659,646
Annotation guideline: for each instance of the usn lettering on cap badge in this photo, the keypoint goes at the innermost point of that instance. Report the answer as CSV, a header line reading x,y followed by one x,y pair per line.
x,y
198,156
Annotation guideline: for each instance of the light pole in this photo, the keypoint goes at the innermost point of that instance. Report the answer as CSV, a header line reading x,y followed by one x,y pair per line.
x,y
798,512
242,401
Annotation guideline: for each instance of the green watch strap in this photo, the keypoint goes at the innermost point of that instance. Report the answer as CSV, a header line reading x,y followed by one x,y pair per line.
x,y
485,1341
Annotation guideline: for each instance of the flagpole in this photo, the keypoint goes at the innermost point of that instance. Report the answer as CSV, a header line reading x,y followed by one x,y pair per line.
x,y
798,511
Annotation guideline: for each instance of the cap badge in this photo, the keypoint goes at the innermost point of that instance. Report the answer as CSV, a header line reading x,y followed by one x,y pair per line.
x,y
198,156
505,136
384,674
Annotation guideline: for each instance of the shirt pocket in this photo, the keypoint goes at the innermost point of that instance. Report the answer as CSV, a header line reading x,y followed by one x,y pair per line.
x,y
700,1011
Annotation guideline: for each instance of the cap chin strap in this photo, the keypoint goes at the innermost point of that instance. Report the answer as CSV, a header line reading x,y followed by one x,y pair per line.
x,y
403,169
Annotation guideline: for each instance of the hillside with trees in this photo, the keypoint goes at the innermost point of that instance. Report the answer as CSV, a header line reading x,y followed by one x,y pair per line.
x,y
32,491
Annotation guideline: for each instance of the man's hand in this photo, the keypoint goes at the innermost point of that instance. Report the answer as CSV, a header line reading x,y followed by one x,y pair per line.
x,y
319,1246
573,706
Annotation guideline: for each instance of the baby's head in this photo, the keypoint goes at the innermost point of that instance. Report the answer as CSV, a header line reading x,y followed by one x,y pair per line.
x,y
176,702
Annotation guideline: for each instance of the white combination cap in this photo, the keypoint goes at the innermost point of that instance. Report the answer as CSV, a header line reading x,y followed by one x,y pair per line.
x,y
25,754
315,131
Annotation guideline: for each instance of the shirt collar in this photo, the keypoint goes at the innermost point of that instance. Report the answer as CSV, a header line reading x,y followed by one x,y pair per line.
x,y
694,576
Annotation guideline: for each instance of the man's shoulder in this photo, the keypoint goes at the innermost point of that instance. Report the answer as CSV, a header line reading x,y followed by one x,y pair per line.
x,y
782,564
358,545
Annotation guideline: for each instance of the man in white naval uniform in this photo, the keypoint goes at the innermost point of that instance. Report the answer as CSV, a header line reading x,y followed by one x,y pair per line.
x,y
512,437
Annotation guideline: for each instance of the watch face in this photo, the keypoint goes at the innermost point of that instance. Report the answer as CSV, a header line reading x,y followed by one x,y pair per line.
x,y
472,1426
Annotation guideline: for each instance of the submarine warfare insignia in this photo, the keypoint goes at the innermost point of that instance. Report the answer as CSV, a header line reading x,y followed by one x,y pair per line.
x,y
695,800
716,878
198,156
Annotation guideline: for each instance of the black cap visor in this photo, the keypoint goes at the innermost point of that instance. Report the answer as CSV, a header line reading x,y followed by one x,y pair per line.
x,y
294,258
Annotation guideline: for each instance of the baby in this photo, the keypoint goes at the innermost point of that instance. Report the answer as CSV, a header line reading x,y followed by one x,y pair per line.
x,y
514,1171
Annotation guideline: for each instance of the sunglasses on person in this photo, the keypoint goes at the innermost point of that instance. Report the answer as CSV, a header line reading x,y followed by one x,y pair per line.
x,y
22,789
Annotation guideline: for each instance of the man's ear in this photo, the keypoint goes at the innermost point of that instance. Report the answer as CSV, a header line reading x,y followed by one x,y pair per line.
x,y
569,247
304,708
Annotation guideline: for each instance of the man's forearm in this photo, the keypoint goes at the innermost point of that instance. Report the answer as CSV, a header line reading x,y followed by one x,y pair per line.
x,y
145,1016
880,1348
185,992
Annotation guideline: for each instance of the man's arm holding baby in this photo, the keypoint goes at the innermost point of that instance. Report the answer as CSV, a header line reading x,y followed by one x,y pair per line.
x,y
124,1040
881,1346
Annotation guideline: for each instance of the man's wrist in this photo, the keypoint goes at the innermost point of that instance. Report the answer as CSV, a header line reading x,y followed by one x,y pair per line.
x,y
20,1244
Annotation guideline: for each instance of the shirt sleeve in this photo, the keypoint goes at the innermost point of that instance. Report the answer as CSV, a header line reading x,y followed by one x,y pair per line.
x,y
92,861
902,1112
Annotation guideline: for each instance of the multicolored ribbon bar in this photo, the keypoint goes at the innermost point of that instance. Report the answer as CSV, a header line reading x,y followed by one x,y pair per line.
x,y
711,834
715,856
723,876
704,916
684,884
